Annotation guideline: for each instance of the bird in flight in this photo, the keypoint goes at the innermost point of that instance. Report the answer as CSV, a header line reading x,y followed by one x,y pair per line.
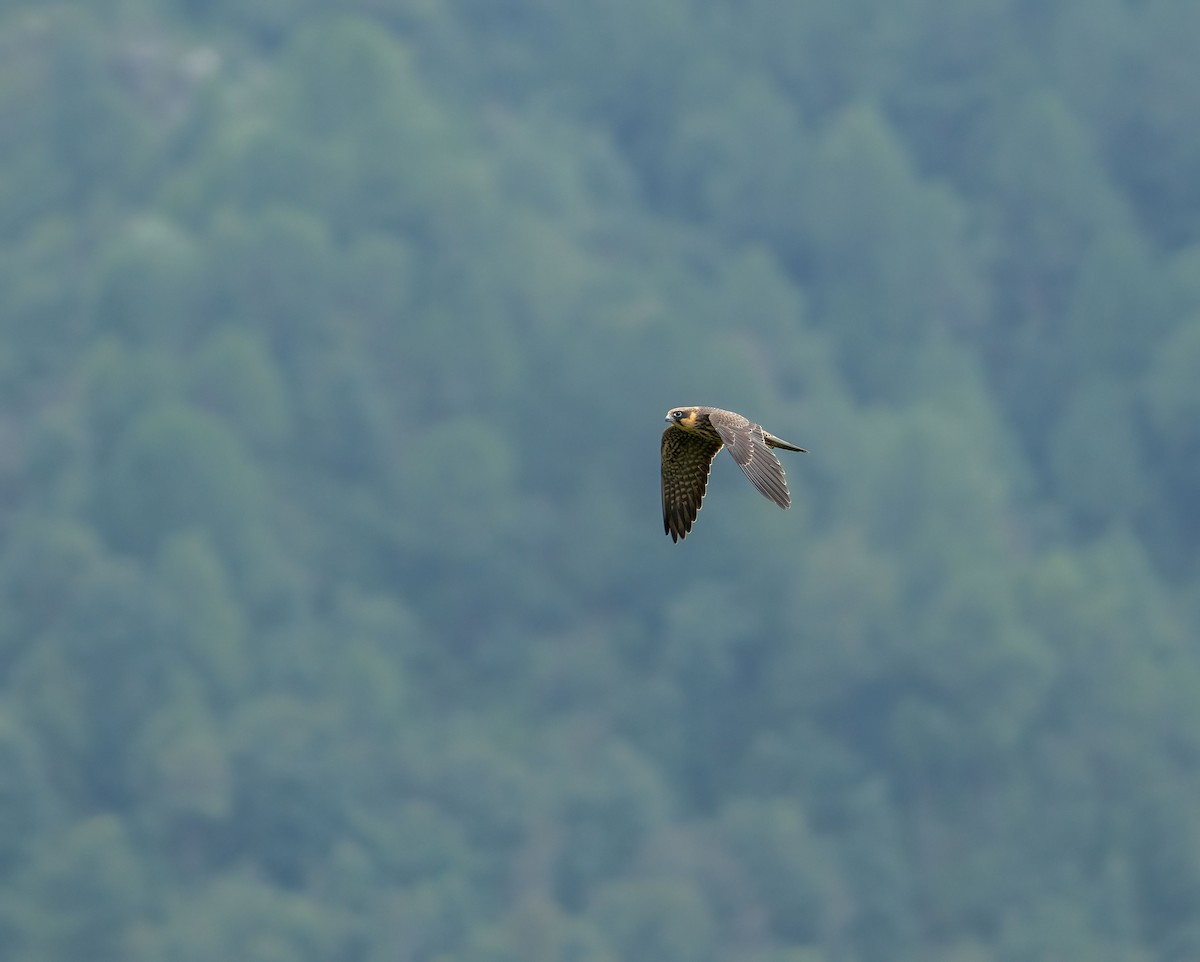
x,y
689,444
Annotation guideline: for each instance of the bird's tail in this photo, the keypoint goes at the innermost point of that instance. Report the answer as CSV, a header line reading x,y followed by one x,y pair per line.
x,y
774,442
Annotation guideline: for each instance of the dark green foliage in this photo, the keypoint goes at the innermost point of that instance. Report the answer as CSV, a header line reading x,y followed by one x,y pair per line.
x,y
81,893
174,468
336,621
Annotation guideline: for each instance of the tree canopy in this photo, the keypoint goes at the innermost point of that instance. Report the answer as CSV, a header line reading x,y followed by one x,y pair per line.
x,y
336,621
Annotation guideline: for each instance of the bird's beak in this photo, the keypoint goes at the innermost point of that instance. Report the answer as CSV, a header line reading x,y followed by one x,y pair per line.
x,y
667,418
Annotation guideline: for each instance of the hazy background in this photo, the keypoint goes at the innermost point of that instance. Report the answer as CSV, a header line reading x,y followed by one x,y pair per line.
x,y
336,618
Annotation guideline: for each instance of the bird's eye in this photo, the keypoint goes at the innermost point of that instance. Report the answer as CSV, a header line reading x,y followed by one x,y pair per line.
x,y
676,415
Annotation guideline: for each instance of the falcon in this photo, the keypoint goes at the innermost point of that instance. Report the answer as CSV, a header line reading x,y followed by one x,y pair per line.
x,y
689,444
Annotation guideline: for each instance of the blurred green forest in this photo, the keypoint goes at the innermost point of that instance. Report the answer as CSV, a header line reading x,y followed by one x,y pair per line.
x,y
336,618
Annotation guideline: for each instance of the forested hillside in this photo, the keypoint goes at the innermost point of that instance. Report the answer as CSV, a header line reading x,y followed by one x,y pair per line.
x,y
337,623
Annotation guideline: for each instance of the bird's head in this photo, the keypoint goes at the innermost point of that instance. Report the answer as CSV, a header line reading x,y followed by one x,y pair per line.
x,y
683,418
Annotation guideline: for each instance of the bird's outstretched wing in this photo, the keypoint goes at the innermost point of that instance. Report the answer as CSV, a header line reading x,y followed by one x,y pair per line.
x,y
748,446
686,461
